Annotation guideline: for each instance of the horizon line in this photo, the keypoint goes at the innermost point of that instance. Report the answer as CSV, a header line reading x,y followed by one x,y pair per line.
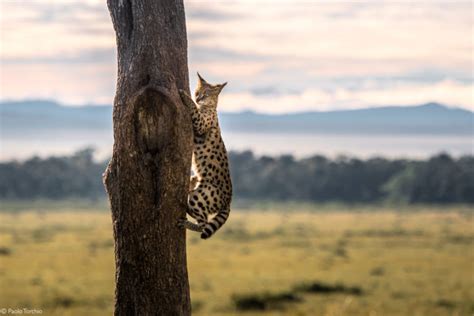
x,y
244,110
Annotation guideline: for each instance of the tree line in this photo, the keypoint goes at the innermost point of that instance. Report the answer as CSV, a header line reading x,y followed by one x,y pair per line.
x,y
439,179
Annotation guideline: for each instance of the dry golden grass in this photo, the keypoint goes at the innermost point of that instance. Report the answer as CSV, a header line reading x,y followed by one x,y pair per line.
x,y
405,263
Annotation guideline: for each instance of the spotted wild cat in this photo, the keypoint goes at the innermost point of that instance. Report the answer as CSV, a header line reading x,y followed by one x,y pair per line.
x,y
210,191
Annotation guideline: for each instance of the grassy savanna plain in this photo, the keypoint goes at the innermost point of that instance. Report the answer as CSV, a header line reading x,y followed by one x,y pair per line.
x,y
290,259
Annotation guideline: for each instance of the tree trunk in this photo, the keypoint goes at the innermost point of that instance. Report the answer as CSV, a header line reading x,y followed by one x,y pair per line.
x,y
148,177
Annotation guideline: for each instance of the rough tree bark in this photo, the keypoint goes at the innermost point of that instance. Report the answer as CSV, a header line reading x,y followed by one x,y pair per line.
x,y
148,176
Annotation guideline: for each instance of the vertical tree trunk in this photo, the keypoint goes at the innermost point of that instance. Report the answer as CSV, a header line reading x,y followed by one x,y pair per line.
x,y
147,178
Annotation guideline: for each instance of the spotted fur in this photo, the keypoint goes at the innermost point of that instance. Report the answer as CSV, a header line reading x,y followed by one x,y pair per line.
x,y
210,191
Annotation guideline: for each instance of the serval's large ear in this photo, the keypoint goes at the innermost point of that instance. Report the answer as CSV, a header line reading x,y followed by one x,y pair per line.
x,y
221,86
201,81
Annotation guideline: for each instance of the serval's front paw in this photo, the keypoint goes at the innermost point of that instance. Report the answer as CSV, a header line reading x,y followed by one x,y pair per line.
x,y
185,97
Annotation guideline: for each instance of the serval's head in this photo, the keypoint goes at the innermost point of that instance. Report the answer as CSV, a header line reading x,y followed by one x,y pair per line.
x,y
207,94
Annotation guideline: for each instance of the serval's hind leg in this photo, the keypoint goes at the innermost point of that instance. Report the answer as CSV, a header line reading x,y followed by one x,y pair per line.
x,y
183,222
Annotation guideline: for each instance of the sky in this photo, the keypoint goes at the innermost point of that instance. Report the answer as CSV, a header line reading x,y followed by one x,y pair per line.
x,y
278,56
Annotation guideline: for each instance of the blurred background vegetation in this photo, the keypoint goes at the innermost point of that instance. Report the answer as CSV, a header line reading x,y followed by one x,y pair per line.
x,y
439,179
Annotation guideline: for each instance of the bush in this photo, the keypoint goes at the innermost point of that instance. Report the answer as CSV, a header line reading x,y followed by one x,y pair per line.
x,y
264,301
326,289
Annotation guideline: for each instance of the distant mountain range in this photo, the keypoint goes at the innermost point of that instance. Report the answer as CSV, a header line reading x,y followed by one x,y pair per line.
x,y
49,118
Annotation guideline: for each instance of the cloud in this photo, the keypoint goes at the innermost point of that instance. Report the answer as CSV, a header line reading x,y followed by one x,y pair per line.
x,y
206,12
82,83
448,92
277,55
205,54
90,56
34,29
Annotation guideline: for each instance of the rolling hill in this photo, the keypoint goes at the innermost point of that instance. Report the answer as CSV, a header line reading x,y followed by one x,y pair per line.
x,y
46,117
